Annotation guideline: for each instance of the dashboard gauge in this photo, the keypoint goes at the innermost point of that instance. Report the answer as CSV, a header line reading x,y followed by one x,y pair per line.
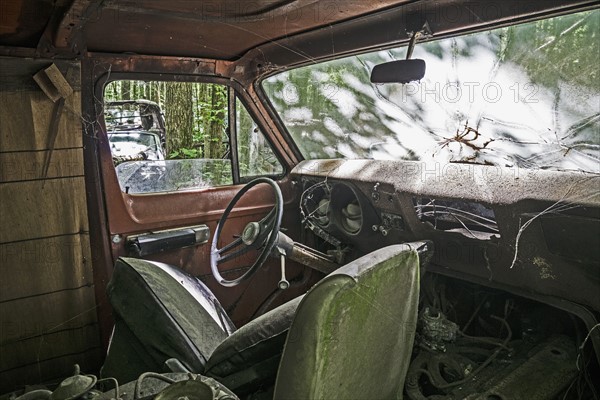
x,y
315,204
321,213
346,209
352,217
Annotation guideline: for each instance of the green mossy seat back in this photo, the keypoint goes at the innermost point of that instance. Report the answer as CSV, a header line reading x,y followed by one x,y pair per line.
x,y
353,332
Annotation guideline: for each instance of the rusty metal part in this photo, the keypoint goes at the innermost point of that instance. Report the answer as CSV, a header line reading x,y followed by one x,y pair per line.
x,y
214,13
45,40
228,30
544,375
69,33
306,255
63,33
102,260
312,258
220,29
436,330
540,373
583,313
172,385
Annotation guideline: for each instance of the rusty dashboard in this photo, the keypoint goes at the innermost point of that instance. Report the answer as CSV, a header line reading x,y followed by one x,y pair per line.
x,y
531,231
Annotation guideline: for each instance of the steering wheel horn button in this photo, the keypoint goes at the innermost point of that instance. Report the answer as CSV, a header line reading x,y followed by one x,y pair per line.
x,y
250,233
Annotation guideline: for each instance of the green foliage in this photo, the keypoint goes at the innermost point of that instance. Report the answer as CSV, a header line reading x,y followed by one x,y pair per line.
x,y
195,114
184,153
558,49
544,68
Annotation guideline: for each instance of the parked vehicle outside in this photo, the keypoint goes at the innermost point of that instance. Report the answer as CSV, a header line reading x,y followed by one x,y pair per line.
x,y
131,145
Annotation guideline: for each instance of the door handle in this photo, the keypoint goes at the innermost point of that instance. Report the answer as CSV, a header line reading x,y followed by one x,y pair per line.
x,y
171,239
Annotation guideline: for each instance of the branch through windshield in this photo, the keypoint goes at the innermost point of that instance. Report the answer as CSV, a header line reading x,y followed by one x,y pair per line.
x,y
524,96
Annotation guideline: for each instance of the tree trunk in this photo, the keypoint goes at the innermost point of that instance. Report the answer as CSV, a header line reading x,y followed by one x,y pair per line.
x,y
244,132
179,117
215,121
125,90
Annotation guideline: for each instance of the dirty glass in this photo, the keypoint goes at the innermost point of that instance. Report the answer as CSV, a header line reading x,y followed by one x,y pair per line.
x,y
172,136
172,175
523,96
255,155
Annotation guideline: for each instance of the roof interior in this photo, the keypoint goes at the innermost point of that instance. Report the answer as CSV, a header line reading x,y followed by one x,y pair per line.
x,y
230,29
219,29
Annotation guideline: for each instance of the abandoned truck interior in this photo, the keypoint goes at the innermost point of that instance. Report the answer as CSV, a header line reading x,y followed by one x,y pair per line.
x,y
299,199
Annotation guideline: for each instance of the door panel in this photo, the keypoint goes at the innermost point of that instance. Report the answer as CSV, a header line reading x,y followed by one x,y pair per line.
x,y
133,214
243,301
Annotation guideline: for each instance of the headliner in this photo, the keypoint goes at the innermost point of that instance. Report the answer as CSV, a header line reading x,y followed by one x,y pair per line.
x,y
220,29
230,29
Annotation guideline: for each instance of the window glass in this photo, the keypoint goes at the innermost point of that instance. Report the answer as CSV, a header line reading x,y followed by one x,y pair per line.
x,y
256,157
171,136
168,136
521,96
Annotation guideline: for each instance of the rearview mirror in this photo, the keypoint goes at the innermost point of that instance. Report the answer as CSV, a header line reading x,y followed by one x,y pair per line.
x,y
401,71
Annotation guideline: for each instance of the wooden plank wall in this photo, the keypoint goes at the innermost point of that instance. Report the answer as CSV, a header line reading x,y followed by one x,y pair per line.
x,y
47,307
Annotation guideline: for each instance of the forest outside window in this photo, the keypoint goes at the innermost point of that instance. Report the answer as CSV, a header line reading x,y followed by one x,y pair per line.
x,y
520,96
173,136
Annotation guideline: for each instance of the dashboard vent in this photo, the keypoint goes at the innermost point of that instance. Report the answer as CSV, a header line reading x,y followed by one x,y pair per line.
x,y
473,220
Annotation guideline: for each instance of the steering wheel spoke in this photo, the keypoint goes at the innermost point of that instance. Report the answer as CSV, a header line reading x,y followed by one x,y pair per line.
x,y
232,255
232,245
269,219
260,235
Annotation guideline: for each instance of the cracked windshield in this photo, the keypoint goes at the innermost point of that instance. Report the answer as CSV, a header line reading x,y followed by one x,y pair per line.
x,y
524,96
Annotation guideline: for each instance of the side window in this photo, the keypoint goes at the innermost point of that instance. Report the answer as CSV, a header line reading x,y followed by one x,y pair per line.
x,y
255,155
174,136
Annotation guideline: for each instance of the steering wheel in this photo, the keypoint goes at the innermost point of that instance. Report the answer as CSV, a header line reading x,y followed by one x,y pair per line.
x,y
256,235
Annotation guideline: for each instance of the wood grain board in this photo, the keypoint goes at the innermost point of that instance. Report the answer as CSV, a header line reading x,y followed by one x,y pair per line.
x,y
25,119
39,209
28,165
52,370
49,346
48,319
40,266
